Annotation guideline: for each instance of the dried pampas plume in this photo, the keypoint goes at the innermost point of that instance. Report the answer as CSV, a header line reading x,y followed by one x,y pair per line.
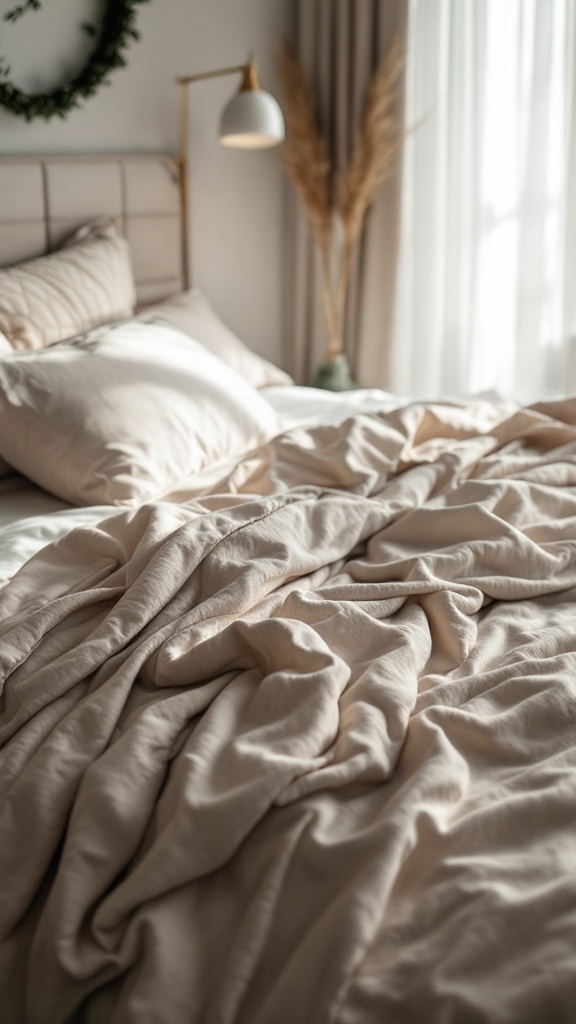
x,y
306,152
310,170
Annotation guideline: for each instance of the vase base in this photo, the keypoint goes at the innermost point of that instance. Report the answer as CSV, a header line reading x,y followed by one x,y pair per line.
x,y
334,375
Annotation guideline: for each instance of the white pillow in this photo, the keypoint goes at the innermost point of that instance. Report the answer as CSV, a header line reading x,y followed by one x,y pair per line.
x,y
86,283
192,313
122,416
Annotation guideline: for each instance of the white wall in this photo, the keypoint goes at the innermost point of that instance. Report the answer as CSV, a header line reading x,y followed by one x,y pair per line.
x,y
236,197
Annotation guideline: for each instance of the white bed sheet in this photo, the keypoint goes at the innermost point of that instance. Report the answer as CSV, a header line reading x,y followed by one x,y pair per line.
x,y
30,518
297,405
19,499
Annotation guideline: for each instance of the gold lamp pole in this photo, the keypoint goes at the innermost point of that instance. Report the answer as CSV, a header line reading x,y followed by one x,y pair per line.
x,y
252,119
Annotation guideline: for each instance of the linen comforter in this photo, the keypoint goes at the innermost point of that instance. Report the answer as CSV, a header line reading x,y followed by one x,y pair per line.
x,y
304,750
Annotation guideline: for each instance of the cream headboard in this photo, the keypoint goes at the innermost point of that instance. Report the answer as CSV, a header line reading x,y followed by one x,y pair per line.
x,y
44,199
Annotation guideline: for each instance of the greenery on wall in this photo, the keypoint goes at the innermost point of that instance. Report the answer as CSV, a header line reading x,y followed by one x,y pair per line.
x,y
114,35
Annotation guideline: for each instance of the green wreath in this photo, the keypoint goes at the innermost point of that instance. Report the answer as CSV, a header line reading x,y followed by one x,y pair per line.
x,y
114,36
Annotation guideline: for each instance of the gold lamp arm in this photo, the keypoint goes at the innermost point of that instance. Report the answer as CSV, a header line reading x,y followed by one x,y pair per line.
x,y
250,81
186,79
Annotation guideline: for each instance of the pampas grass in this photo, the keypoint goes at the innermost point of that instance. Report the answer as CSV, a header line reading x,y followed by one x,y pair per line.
x,y
309,168
308,165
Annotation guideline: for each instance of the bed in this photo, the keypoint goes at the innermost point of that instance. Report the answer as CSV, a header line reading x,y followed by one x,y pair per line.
x,y
287,720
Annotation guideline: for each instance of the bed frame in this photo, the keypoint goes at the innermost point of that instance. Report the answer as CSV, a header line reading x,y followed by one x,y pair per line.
x,y
44,199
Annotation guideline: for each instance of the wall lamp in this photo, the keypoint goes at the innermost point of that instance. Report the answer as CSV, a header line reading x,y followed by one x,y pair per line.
x,y
252,119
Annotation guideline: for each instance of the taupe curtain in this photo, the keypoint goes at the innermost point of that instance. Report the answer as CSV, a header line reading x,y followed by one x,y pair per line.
x,y
340,44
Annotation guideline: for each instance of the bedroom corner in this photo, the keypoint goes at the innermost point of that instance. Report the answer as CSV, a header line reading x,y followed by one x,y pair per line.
x,y
287,663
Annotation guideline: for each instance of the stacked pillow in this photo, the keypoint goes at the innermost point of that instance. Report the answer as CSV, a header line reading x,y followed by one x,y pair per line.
x,y
192,313
99,407
89,282
86,283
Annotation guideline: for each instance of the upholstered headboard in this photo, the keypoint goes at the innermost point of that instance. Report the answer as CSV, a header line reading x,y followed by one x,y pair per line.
x,y
44,199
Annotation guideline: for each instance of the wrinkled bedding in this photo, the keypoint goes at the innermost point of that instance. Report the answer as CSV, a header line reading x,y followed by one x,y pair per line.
x,y
303,750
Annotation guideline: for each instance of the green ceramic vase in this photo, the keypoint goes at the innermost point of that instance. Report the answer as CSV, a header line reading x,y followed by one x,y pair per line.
x,y
335,375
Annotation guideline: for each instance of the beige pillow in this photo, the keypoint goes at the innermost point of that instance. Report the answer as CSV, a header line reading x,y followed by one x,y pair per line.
x,y
192,313
122,416
86,283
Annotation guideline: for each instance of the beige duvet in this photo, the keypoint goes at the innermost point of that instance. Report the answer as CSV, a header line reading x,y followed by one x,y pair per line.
x,y
304,752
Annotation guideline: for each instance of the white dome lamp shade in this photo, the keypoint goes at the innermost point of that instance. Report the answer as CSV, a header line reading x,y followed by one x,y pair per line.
x,y
252,119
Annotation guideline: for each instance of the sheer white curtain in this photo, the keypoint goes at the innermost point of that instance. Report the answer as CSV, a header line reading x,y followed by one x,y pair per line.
x,y
486,282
